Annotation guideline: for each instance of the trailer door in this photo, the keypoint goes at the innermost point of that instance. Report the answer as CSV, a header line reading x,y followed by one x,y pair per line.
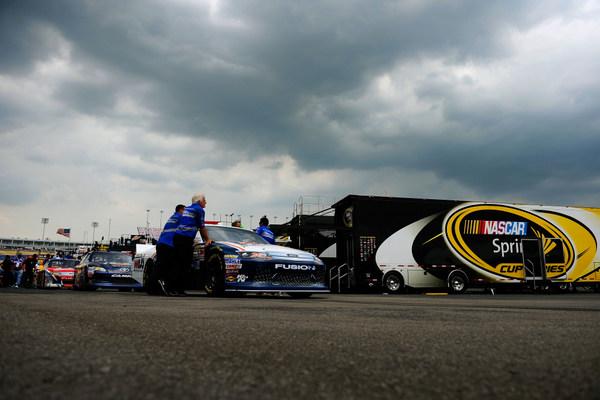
x,y
533,261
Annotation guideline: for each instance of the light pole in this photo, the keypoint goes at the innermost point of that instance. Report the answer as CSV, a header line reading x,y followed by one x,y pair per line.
x,y
275,218
251,216
160,224
45,220
147,224
109,221
94,226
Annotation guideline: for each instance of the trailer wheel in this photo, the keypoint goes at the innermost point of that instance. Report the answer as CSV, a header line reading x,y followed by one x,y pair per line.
x,y
393,282
457,282
214,285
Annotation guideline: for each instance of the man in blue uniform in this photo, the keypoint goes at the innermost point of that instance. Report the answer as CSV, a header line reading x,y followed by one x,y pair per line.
x,y
191,222
165,251
264,231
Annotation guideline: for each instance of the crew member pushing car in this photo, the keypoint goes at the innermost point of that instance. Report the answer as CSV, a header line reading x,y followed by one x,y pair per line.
x,y
165,251
191,222
264,231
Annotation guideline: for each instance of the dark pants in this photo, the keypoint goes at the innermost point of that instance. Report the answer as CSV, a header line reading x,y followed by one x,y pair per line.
x,y
166,264
7,278
184,255
27,280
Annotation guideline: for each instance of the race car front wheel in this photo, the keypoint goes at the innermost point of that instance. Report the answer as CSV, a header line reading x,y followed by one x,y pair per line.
x,y
214,283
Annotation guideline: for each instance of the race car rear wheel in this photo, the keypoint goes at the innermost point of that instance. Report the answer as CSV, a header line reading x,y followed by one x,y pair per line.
x,y
214,283
150,279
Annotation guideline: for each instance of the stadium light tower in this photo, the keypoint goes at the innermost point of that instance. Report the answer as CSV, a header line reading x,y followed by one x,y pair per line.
x,y
147,224
45,221
94,226
160,224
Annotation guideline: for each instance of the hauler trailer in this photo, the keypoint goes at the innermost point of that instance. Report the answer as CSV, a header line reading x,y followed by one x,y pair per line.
x,y
424,243
314,233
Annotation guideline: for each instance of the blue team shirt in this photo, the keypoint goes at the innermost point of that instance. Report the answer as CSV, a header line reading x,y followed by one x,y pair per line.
x,y
191,220
266,234
168,232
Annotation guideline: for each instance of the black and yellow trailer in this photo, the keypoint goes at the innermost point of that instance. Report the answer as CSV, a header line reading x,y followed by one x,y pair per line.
x,y
394,243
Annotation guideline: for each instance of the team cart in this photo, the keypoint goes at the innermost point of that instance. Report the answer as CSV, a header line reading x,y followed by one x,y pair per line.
x,y
239,260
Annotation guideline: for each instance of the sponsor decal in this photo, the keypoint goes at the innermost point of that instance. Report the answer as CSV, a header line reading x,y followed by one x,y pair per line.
x,y
121,276
232,262
480,227
241,278
296,267
487,237
231,278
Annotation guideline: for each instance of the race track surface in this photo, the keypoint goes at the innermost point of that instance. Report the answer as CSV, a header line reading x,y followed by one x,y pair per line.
x,y
110,345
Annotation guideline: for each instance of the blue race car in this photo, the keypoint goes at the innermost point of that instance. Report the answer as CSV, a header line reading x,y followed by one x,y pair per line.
x,y
105,269
242,261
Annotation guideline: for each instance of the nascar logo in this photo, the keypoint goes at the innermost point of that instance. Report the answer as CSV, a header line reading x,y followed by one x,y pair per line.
x,y
482,227
477,235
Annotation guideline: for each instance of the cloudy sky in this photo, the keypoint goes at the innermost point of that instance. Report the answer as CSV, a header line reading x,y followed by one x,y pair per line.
x,y
110,108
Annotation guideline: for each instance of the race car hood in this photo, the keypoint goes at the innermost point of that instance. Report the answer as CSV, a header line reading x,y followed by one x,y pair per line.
x,y
272,250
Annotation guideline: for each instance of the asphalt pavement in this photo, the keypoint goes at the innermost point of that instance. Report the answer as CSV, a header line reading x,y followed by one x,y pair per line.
x,y
110,345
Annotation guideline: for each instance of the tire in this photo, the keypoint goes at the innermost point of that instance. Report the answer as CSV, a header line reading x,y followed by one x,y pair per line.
x,y
150,279
124,289
295,295
393,282
214,282
75,286
86,282
41,280
457,282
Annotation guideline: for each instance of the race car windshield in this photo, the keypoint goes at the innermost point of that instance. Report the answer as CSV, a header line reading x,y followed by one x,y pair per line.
x,y
63,263
110,258
225,234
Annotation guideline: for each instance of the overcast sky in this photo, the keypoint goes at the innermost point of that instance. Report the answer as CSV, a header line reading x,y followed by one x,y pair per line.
x,y
110,108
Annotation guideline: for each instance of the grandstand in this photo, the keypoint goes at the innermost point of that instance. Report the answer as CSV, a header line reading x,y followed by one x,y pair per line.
x,y
38,245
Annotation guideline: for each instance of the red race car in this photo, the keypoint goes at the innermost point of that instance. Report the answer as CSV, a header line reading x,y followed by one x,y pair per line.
x,y
56,273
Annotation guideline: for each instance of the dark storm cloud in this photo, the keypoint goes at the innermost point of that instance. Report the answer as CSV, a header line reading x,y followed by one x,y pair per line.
x,y
23,38
267,78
